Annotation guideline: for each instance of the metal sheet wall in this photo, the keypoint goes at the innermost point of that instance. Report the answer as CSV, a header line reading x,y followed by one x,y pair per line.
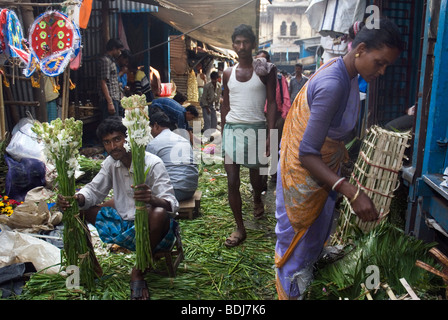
x,y
396,90
179,64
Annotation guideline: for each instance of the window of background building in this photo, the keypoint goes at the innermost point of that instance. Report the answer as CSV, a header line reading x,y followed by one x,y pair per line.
x,y
283,29
293,29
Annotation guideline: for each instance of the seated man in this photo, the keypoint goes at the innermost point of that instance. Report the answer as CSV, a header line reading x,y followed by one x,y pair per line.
x,y
114,219
177,155
178,115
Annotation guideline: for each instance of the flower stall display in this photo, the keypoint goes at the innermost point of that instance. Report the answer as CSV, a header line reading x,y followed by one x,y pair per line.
x,y
62,140
136,121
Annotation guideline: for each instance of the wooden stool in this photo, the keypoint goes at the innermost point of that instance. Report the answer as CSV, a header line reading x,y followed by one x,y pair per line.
x,y
191,207
174,256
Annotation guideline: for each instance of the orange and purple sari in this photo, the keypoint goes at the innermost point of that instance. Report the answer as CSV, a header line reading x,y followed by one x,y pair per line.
x,y
304,206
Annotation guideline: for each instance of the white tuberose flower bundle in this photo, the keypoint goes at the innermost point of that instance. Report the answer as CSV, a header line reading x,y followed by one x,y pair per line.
x,y
136,121
62,140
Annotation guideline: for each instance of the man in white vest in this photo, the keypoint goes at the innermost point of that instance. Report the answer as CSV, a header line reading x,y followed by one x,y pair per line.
x,y
246,135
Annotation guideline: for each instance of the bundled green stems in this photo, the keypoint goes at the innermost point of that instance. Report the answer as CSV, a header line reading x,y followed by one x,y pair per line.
x,y
136,121
62,140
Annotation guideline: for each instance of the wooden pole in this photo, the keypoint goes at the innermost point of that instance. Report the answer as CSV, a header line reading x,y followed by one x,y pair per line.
x,y
38,93
65,93
2,112
105,21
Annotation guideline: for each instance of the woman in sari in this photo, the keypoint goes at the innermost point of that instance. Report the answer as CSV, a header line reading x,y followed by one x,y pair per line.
x,y
312,148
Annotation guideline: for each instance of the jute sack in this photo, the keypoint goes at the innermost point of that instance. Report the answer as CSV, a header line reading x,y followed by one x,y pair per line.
x,y
33,214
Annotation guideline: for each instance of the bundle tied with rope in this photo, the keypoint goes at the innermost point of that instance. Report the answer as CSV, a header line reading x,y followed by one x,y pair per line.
x,y
136,120
376,174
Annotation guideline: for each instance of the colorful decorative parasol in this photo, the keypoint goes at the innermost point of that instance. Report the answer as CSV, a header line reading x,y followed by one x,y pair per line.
x,y
54,41
11,32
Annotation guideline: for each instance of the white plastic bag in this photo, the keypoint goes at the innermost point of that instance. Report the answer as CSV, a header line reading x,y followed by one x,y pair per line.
x,y
24,142
334,17
20,247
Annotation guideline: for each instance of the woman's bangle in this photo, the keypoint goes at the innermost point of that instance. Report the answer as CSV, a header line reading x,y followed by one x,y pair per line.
x,y
355,196
337,183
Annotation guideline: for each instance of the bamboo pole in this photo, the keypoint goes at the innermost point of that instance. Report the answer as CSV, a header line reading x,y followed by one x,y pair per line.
x,y
366,291
2,111
409,289
389,291
431,269
439,256
65,93
32,4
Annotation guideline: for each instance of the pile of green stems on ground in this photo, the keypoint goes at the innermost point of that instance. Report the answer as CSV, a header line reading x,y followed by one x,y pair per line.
x,y
212,271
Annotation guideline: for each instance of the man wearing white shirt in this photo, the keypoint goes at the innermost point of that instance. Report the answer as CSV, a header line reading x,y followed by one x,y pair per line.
x,y
114,219
177,155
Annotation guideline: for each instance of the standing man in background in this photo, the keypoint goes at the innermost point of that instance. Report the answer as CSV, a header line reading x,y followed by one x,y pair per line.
x,y
296,82
209,102
244,123
109,87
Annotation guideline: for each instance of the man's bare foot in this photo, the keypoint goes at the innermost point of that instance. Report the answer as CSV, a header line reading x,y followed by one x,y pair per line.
x,y
139,287
258,210
235,239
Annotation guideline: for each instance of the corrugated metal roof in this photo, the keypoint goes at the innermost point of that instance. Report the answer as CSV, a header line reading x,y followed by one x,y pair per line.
x,y
125,6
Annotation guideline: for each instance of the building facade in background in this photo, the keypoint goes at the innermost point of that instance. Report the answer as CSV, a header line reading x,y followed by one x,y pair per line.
x,y
282,24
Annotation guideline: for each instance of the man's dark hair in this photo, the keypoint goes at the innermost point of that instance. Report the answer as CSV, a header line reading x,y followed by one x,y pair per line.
x,y
110,125
299,65
161,119
214,75
125,54
192,109
114,44
387,34
180,97
245,31
267,55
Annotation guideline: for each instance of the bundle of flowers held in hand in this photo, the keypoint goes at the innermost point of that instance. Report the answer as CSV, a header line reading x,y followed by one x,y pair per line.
x,y
8,205
62,140
136,121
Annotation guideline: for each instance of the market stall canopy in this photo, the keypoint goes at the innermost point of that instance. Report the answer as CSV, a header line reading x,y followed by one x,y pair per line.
x,y
209,21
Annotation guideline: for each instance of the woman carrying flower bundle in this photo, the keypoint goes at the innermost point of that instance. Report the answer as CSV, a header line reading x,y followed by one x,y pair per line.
x,y
114,219
312,149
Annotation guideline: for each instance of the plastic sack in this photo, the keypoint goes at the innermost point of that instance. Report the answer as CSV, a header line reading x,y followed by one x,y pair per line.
x,y
334,17
167,89
20,247
24,142
33,214
22,176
